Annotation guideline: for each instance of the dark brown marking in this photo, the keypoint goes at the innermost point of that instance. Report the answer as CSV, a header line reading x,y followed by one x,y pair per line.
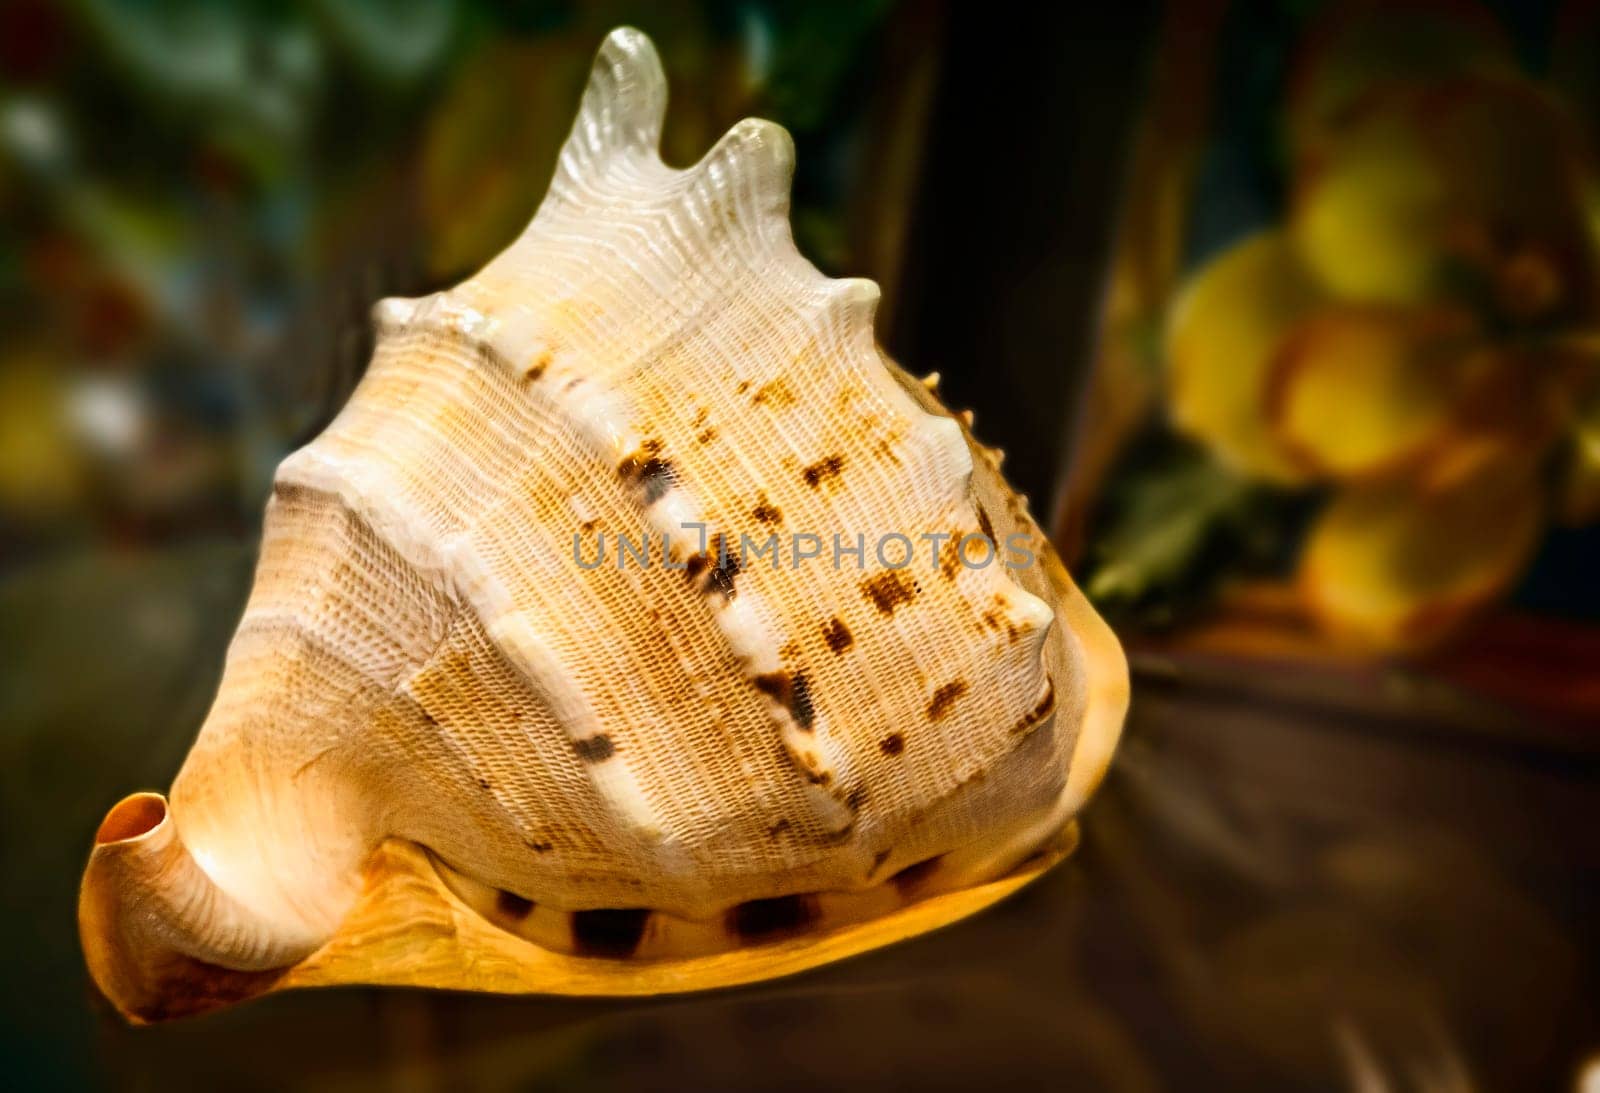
x,y
766,919
538,847
725,566
995,618
944,698
536,366
822,470
893,744
744,385
800,705
888,590
778,392
909,879
695,566
291,493
1041,710
793,693
706,435
512,906
856,798
777,829
595,749
878,859
765,511
483,783
612,932
950,556
985,526
652,474
837,635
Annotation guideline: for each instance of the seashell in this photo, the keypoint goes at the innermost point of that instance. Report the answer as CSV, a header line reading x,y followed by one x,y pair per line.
x,y
447,751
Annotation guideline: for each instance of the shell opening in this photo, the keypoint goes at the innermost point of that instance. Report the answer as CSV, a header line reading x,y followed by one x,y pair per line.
x,y
131,818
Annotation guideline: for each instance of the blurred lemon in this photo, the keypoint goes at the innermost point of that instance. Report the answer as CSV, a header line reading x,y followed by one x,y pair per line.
x,y
1468,187
1399,570
1225,331
1359,392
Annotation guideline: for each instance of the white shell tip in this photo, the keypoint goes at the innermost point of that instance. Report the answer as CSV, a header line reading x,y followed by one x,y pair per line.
x,y
392,312
626,100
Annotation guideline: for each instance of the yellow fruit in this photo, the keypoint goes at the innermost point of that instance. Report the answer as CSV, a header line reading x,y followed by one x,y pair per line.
x,y
1362,391
1396,570
1225,331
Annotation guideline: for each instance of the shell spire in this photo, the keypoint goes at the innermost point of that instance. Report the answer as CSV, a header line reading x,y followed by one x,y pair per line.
x,y
843,692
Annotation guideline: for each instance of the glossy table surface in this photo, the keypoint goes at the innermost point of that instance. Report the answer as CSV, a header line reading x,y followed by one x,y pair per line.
x,y
1269,894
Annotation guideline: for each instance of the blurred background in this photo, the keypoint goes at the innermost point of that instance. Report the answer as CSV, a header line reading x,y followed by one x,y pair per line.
x,y
1287,315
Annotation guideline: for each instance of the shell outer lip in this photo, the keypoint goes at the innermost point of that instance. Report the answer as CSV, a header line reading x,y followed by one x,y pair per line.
x,y
428,943
409,929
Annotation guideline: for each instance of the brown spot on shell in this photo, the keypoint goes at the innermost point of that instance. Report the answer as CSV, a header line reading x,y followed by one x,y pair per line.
x,y
885,445
767,919
822,470
291,493
837,635
792,691
706,435
536,366
777,392
878,859
538,847
912,877
950,556
893,744
944,698
1041,710
512,906
778,829
888,590
695,565
652,474
611,932
997,618
725,565
765,511
595,749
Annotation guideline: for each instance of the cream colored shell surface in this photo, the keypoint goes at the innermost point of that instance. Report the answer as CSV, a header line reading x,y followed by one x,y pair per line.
x,y
424,657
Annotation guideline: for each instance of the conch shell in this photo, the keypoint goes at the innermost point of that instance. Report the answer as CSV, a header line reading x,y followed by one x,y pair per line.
x,y
451,748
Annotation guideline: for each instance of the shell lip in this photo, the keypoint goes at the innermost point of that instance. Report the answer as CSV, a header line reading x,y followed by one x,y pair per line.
x,y
136,818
